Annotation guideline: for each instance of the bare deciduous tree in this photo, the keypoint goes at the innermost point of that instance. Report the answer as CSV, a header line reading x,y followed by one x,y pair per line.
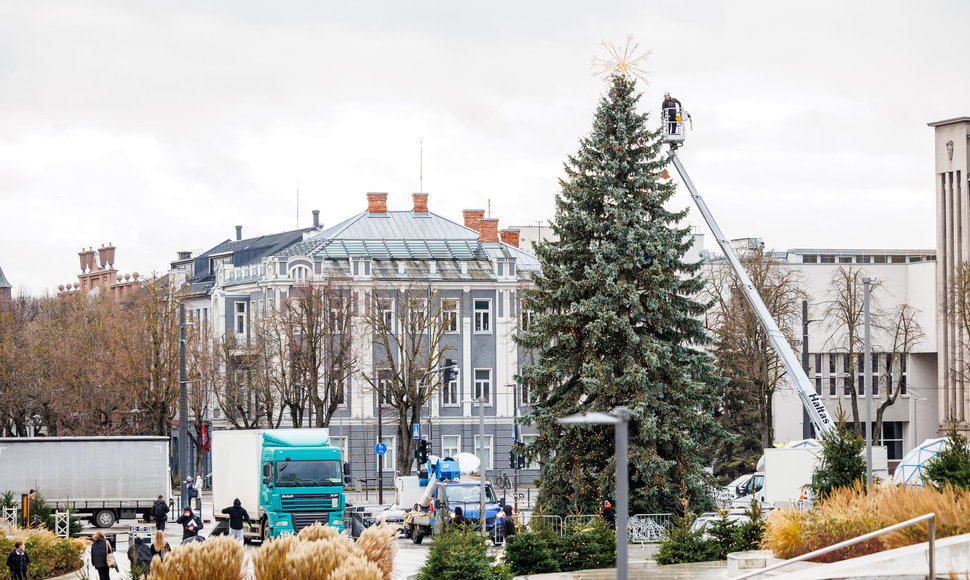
x,y
906,335
742,346
406,329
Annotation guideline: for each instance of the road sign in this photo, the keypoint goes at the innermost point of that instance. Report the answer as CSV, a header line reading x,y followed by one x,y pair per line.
x,y
380,449
416,432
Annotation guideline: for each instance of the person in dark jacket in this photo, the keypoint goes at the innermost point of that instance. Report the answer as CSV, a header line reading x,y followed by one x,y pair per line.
x,y
459,519
17,562
237,515
191,524
671,109
608,514
508,524
99,555
140,557
160,513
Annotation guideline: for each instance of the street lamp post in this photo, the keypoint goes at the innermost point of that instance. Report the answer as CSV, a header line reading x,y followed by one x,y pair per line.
x,y
183,411
481,457
867,379
619,418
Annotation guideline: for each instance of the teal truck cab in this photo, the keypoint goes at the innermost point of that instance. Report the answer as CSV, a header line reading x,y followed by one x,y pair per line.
x,y
286,479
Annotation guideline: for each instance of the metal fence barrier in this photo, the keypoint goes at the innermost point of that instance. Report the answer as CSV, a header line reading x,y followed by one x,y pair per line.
x,y
649,528
581,522
533,522
9,516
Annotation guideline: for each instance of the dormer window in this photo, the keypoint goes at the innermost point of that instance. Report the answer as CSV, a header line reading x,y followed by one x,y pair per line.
x,y
360,266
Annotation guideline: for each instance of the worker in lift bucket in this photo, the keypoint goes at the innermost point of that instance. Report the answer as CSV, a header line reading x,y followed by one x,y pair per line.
x,y
672,114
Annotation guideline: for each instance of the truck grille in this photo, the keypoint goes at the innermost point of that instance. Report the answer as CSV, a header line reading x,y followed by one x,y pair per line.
x,y
310,501
304,519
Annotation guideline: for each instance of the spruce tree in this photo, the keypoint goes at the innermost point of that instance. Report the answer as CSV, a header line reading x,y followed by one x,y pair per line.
x,y
618,324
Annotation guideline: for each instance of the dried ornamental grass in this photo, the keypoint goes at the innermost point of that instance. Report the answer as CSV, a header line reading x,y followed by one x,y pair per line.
x,y
219,558
379,545
269,561
358,568
317,531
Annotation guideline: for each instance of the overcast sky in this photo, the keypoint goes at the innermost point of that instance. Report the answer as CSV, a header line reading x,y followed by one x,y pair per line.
x,y
158,126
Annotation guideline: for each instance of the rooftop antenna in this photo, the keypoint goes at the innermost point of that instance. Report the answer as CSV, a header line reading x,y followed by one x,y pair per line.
x,y
298,205
421,168
490,207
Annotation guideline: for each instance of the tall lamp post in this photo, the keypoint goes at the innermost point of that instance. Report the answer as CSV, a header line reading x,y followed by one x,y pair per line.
x,y
183,411
620,418
867,378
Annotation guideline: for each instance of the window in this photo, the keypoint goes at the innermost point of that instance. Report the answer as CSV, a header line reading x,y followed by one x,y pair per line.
x,y
385,307
360,266
300,273
483,316
449,315
902,375
526,319
241,318
450,445
525,395
385,387
449,394
833,389
387,461
847,376
488,450
337,392
892,438
341,444
418,315
818,375
529,440
483,385
860,372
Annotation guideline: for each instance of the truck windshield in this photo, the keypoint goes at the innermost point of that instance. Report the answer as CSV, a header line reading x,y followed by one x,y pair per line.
x,y
308,473
469,494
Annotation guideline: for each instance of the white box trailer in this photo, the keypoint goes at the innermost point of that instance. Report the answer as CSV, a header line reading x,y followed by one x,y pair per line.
x,y
235,469
109,478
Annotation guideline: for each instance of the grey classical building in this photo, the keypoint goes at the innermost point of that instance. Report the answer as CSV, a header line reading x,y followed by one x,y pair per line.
x,y
475,275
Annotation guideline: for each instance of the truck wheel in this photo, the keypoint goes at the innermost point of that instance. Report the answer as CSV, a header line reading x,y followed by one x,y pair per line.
x,y
104,518
416,536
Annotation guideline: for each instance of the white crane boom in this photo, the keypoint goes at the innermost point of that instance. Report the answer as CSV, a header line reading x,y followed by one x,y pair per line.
x,y
806,392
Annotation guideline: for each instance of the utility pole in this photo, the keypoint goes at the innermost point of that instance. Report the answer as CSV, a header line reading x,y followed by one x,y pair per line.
x,y
481,452
867,380
380,439
515,442
183,412
806,420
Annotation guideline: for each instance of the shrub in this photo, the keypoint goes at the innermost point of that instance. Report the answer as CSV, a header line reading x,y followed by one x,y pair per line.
x,y
49,555
750,533
681,545
219,558
952,464
842,464
531,553
591,546
460,553
379,545
321,552
722,534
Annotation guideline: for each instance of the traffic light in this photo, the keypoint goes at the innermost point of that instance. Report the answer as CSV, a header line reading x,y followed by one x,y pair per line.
x,y
449,372
421,451
513,459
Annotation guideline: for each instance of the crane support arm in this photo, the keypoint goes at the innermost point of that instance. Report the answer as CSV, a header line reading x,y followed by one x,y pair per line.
x,y
810,399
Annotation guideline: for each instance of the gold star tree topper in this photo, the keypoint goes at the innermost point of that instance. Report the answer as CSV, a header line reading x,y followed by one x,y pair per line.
x,y
624,61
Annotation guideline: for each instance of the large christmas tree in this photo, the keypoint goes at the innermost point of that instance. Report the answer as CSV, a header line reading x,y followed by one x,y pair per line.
x,y
618,324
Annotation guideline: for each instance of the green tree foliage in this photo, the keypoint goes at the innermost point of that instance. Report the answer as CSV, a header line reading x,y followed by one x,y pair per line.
x,y
719,538
461,553
681,545
842,462
617,324
531,553
951,466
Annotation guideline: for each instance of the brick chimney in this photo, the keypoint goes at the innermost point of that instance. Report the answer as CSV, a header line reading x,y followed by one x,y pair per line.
x,y
488,230
471,218
376,203
420,202
510,237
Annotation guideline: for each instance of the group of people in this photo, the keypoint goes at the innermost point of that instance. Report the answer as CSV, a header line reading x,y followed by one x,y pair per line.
x,y
508,523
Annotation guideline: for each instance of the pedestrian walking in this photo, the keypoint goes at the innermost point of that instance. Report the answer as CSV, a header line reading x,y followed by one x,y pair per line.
x,y
17,562
160,513
508,524
608,514
191,524
102,556
160,547
237,515
189,488
198,483
140,557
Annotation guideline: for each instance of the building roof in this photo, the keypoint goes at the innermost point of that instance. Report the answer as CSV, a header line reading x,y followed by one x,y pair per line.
x,y
949,121
243,253
3,280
